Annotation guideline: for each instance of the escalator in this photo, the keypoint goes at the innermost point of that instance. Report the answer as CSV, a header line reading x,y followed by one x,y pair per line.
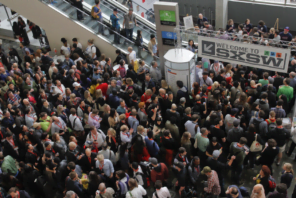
x,y
71,11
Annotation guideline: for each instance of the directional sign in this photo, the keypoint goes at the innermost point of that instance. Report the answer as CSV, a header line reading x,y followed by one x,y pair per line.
x,y
258,56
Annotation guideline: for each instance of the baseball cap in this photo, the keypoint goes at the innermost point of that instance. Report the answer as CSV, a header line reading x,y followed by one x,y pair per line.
x,y
287,28
115,10
216,153
206,169
76,84
153,160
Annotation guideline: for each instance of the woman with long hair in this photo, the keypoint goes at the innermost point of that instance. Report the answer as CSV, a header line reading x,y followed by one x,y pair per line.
x,y
111,139
23,32
195,90
94,182
113,118
263,178
186,143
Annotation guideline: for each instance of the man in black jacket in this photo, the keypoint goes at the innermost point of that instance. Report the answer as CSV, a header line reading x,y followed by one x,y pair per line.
x,y
280,134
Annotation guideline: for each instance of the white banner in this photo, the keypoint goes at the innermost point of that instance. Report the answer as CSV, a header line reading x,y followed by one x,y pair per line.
x,y
258,56
188,22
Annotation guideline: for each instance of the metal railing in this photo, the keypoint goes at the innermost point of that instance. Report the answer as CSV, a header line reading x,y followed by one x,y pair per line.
x,y
192,34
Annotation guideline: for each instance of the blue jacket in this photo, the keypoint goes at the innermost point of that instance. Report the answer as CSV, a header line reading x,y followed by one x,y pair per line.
x,y
153,150
114,21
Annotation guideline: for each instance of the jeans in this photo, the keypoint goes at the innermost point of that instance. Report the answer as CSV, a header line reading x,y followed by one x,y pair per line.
x,y
101,27
116,36
236,173
129,34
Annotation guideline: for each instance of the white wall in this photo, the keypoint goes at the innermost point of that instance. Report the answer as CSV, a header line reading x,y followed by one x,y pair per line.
x,y
57,25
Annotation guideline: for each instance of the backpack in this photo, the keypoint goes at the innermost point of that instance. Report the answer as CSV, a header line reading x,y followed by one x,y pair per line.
x,y
145,179
271,125
272,183
257,124
98,52
93,15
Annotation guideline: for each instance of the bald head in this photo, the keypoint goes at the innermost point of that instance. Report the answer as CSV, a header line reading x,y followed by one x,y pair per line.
x,y
88,152
102,186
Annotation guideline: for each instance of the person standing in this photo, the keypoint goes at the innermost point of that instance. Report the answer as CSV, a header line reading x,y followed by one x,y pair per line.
x,y
79,6
115,25
96,14
129,22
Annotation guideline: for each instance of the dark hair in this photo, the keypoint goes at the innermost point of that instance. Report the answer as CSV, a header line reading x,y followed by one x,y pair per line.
x,y
179,84
279,121
243,140
158,184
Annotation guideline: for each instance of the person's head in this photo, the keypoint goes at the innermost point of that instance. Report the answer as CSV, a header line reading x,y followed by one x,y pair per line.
x,y
286,30
204,131
279,122
13,192
282,188
233,191
200,16
243,141
288,167
206,171
258,189
265,171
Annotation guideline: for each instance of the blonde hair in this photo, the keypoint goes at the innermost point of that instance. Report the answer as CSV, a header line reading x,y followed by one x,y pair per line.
x,y
98,93
185,138
100,157
87,96
112,131
289,167
215,86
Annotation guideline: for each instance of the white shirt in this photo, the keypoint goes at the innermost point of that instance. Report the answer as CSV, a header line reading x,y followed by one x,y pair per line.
x,y
190,126
78,125
132,56
97,139
162,193
60,90
137,192
66,50
91,50
79,45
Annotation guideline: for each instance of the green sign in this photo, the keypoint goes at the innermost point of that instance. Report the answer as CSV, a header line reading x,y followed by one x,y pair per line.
x,y
167,17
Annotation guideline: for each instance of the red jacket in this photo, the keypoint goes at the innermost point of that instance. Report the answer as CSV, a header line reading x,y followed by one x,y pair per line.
x,y
162,175
103,87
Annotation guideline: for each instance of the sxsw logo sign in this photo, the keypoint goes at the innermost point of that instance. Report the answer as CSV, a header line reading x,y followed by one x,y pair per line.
x,y
240,53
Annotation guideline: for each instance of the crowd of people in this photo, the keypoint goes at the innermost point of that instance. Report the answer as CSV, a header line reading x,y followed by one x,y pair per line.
x,y
80,128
